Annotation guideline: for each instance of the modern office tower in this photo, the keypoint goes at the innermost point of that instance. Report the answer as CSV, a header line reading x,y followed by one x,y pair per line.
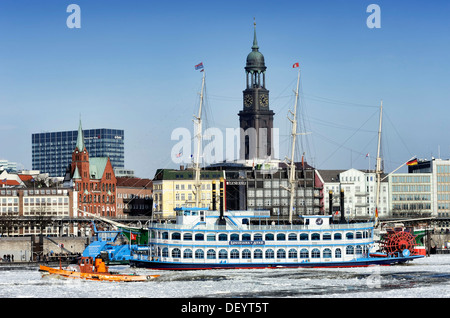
x,y
52,151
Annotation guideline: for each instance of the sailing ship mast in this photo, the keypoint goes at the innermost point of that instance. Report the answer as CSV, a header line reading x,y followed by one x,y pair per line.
x,y
198,136
378,170
292,181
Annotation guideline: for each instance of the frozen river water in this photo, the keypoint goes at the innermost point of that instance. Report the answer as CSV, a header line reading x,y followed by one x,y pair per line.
x,y
423,278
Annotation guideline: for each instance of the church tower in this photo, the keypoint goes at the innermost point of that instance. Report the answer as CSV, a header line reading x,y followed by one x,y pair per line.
x,y
80,158
256,118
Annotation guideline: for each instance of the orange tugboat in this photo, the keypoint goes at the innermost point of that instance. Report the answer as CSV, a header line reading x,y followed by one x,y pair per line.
x,y
89,269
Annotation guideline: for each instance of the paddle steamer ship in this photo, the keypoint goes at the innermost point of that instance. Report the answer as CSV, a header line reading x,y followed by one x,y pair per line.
x,y
203,239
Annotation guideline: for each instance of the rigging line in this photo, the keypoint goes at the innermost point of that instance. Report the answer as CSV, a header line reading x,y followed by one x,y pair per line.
x,y
337,125
335,101
398,134
349,137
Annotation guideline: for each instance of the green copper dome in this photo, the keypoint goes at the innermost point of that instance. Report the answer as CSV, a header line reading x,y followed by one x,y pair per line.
x,y
255,59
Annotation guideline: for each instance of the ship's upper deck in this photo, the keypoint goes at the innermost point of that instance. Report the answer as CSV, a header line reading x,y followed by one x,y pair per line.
x,y
203,219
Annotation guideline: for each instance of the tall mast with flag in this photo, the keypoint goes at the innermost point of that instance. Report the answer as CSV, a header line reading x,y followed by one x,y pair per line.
x,y
198,136
292,179
378,170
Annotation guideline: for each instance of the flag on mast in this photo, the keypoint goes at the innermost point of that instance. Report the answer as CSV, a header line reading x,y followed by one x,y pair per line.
x,y
412,162
199,66
295,65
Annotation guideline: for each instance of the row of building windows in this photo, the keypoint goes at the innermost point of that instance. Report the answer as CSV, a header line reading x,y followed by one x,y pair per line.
x,y
411,188
411,179
443,169
267,236
277,193
48,200
412,206
259,253
411,197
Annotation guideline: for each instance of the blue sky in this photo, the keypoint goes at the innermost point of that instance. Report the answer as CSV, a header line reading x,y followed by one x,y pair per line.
x,y
131,66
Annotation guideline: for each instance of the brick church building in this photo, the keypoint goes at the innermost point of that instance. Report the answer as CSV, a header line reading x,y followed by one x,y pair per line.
x,y
93,180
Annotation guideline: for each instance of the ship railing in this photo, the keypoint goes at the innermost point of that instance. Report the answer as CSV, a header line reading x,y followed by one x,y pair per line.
x,y
261,227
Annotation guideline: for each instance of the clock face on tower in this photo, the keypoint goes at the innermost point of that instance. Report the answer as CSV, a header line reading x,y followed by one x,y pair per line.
x,y
264,100
248,100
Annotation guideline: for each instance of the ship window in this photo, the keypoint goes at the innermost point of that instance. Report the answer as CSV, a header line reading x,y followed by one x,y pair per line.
x,y
350,250
176,253
358,249
315,237
211,254
270,253
315,253
304,253
234,237
176,236
187,253
199,237
246,254
338,236
292,237
234,254
327,253
223,254
338,253
358,235
257,237
223,237
349,235
187,236
165,252
292,253
281,253
281,237
165,235
304,237
246,237
258,254
326,236
269,237
199,254
211,237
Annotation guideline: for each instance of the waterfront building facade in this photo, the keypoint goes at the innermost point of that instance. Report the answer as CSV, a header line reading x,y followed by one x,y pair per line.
x,y
134,197
411,194
28,211
360,193
175,189
264,187
52,151
440,171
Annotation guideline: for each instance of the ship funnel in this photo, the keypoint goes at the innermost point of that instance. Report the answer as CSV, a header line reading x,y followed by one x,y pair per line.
x,y
330,202
222,203
214,205
342,207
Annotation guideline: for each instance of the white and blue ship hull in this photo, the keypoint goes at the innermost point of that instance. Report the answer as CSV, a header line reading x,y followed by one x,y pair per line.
x,y
199,241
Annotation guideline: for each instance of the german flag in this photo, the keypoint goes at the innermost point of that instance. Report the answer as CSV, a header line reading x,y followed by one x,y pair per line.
x,y
412,162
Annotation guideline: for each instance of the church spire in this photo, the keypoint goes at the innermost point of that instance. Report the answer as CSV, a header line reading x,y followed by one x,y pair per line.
x,y
80,138
255,46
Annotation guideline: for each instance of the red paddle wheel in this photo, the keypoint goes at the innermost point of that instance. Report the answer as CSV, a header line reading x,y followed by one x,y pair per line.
x,y
398,240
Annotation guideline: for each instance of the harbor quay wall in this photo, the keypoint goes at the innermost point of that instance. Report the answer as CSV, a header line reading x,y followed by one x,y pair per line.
x,y
26,248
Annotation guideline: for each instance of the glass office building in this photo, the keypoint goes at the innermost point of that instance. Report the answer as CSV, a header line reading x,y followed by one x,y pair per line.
x,y
52,151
